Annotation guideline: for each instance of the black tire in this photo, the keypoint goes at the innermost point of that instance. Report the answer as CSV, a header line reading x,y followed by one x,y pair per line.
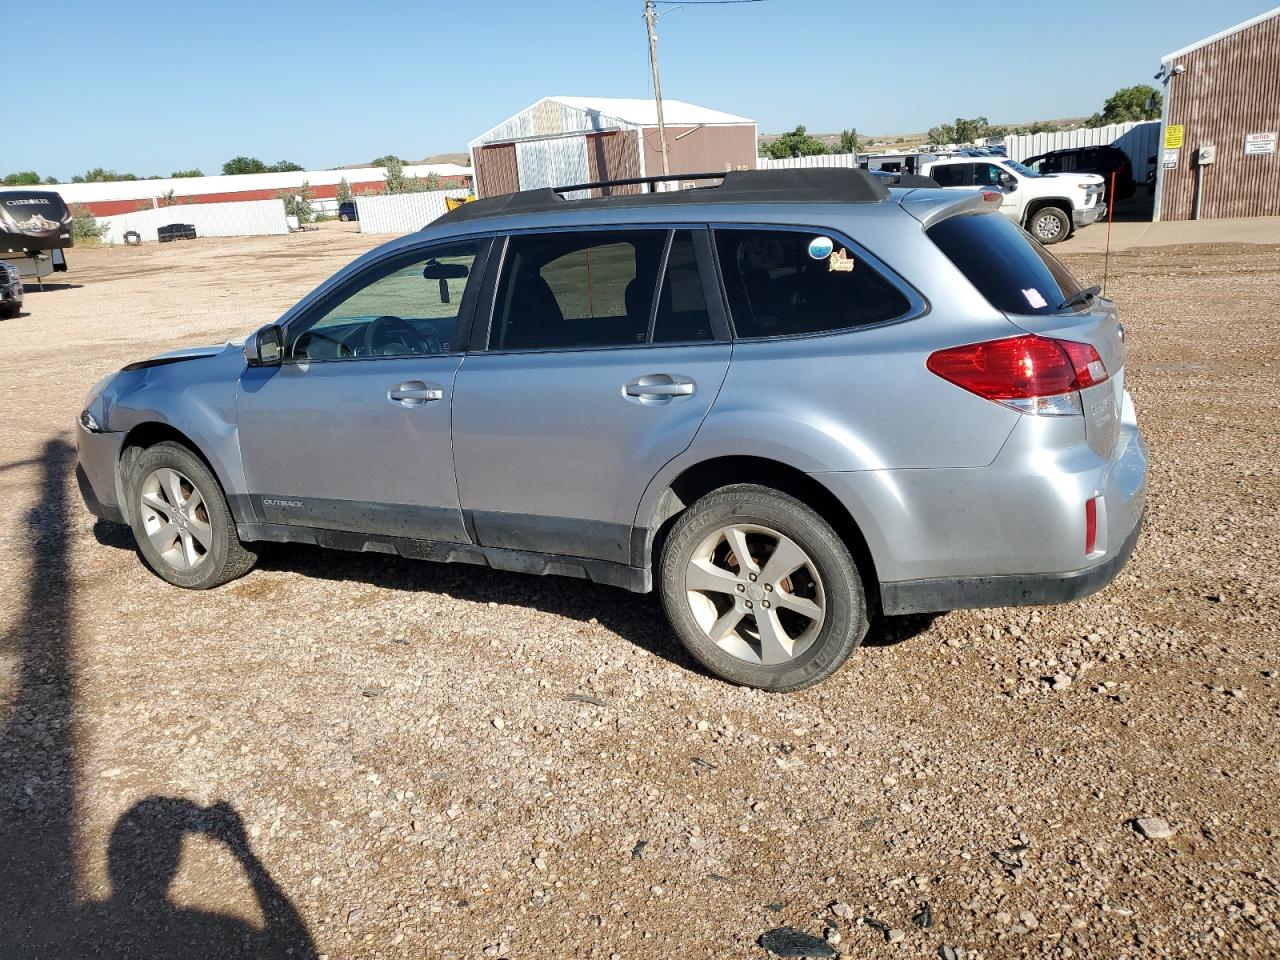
x,y
225,558
8,311
1039,225
343,217
845,622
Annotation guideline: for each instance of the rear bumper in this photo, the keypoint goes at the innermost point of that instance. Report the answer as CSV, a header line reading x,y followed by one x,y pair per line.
x,y
962,593
1013,532
1082,218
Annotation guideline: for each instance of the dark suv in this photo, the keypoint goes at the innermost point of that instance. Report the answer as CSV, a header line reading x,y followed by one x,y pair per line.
x,y
1100,160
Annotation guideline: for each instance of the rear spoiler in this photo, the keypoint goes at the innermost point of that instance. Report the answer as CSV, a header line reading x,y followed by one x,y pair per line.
x,y
931,206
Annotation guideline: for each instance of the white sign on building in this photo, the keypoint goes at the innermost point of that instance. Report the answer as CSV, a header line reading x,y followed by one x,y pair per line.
x,y
1259,143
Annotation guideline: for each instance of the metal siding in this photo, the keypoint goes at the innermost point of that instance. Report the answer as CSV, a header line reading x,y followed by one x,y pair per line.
x,y
706,149
402,212
1230,87
496,170
805,163
552,163
614,156
248,218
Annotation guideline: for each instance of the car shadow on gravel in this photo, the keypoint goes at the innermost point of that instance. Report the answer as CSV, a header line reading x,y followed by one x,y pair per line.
x,y
637,618
41,913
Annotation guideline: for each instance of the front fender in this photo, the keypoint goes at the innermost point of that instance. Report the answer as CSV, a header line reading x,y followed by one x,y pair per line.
x,y
197,399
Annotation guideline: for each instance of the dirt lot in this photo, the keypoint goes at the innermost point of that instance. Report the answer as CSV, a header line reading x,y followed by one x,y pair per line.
x,y
426,761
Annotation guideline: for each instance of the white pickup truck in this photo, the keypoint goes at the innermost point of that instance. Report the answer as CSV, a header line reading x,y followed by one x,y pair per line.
x,y
1049,206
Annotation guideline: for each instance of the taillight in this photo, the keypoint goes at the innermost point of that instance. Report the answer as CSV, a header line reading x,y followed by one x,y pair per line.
x,y
1031,374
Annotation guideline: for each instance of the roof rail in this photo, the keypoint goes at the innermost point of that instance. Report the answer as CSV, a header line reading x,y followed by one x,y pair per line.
x,y
815,185
648,181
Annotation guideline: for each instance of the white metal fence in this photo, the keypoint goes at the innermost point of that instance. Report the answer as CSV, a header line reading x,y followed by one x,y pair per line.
x,y
1138,140
241,218
402,212
821,160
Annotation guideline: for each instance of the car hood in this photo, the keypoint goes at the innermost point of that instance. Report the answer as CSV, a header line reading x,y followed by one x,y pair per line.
x,y
1076,177
186,353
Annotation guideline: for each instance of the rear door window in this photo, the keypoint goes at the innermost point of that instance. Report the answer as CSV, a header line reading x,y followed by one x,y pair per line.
x,y
952,174
790,282
1015,274
568,290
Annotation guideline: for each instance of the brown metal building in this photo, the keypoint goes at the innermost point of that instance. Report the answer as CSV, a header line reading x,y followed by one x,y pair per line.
x,y
1222,100
560,141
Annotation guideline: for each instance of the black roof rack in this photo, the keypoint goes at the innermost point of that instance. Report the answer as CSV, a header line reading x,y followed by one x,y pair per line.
x,y
819,185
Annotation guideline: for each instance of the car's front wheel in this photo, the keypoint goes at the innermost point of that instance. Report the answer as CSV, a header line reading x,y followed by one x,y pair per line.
x,y
181,521
1050,225
761,590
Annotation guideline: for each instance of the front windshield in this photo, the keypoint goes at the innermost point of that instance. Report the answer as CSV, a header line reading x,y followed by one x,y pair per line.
x,y
1021,168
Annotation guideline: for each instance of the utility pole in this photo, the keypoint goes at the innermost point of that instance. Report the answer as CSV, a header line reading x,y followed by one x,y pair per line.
x,y
650,19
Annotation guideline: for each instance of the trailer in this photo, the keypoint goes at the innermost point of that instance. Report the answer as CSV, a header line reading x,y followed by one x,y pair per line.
x,y
35,227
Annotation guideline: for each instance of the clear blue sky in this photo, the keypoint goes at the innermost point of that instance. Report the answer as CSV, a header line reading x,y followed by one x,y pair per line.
x,y
151,87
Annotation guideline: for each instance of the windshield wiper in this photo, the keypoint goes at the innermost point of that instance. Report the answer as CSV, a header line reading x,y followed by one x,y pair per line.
x,y
1080,296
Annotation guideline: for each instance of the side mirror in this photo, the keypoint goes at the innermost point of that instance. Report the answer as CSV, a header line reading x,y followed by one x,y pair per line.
x,y
265,347
1008,181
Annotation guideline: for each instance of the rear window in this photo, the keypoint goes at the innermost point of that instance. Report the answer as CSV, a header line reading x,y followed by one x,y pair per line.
x,y
1014,273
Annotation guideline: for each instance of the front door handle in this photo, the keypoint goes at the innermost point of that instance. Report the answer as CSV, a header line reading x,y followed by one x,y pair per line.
x,y
658,388
414,393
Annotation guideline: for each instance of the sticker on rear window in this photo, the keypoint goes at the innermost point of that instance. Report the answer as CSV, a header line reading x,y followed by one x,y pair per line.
x,y
840,262
820,247
1034,298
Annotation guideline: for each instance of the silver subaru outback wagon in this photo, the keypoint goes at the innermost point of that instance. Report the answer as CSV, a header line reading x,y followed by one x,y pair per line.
x,y
790,403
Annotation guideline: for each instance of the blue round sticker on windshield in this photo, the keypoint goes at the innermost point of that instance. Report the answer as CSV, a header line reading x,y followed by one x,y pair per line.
x,y
820,247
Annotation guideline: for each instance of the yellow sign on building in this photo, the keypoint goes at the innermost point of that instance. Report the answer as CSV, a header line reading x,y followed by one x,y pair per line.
x,y
1173,136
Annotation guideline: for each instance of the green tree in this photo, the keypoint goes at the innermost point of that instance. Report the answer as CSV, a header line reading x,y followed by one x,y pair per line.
x,y
397,182
244,165
344,191
942,133
849,141
297,202
285,166
797,143
1139,102
194,172
383,161
100,175
84,225
23,178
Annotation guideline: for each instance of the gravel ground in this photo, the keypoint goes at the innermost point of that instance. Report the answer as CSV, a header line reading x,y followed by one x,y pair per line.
x,y
361,756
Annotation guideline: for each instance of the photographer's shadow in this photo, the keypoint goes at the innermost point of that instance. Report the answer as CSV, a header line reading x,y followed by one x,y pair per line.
x,y
42,913
142,860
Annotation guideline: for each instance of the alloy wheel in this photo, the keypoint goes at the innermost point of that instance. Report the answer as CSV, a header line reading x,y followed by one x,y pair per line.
x,y
755,593
175,519
1048,227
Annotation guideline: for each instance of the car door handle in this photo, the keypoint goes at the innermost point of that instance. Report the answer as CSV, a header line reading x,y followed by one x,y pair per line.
x,y
659,386
414,393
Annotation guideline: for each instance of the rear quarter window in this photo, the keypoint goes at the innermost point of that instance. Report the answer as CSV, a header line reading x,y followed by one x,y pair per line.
x,y
1014,273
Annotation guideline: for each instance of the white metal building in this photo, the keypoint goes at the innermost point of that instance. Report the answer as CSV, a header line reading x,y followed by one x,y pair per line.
x,y
560,141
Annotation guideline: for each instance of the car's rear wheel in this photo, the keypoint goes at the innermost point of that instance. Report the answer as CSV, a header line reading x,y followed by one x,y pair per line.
x,y
181,521
1050,225
761,590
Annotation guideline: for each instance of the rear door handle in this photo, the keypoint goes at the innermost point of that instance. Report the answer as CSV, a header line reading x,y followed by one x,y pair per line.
x,y
414,393
659,388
